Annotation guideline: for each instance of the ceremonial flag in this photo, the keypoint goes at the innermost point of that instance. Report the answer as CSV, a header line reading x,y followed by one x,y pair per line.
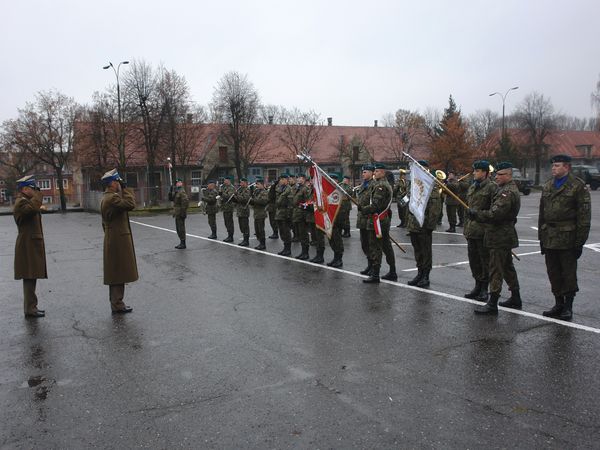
x,y
326,199
421,185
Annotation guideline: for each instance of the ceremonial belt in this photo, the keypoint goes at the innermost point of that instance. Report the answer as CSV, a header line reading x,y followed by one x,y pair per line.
x,y
382,215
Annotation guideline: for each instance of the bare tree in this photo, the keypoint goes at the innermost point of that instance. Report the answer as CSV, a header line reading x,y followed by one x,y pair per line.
x,y
15,161
301,131
595,97
45,130
536,116
408,126
482,123
236,105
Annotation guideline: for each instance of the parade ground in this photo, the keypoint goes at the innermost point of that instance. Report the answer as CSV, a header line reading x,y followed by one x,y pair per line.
x,y
234,348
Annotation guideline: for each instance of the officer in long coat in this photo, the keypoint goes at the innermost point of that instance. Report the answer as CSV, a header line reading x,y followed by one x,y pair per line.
x,y
30,253
210,196
421,237
181,203
479,197
242,199
563,228
259,202
120,265
227,194
500,237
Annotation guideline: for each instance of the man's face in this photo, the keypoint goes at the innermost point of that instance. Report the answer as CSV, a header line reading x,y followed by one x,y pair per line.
x,y
211,185
227,182
367,175
451,176
379,173
243,184
301,180
283,181
27,191
346,180
259,185
560,169
503,176
479,174
179,184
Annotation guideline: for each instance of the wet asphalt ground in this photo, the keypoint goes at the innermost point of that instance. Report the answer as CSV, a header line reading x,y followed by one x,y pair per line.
x,y
229,347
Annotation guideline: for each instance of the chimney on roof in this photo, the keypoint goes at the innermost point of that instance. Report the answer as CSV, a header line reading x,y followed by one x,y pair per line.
x,y
375,123
329,121
270,119
190,117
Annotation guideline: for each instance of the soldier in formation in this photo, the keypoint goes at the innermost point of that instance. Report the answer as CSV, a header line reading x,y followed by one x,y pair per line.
x,y
30,252
451,203
210,196
227,197
563,228
242,200
301,197
401,191
259,202
346,207
180,206
283,203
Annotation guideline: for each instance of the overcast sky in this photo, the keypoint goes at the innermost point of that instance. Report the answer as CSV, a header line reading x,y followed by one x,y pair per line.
x,y
351,60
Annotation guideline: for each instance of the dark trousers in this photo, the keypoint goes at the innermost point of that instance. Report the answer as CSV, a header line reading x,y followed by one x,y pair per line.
x,y
346,221
180,227
228,219
30,300
479,260
364,242
336,242
451,213
422,243
212,222
116,292
561,266
273,222
461,214
402,212
302,232
244,223
319,238
259,229
284,231
502,268
380,246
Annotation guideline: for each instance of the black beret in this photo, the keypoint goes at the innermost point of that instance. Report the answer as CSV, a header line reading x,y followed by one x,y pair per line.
x,y
368,167
423,163
504,165
243,179
561,158
482,164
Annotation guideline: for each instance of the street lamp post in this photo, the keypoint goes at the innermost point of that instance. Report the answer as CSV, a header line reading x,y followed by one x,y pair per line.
x,y
503,102
121,139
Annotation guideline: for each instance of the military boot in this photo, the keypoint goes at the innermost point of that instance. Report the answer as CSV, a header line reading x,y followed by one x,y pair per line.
x,y
374,276
483,294
245,242
229,238
304,255
474,292
274,236
391,275
491,307
451,229
514,302
318,259
213,234
287,249
337,261
181,245
346,233
261,245
567,311
367,270
557,309
424,281
416,279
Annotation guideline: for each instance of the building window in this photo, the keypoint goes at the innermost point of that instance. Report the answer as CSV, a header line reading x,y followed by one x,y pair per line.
x,y
44,185
65,183
272,175
256,171
47,200
196,177
132,179
3,195
223,155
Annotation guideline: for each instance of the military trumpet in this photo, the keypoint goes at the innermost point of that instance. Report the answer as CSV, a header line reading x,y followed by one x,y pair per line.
x,y
440,175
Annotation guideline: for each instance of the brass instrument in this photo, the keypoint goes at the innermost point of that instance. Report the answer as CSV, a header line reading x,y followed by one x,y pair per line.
x,y
440,175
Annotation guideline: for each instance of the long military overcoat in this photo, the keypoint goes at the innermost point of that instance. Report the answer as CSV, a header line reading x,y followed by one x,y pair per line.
x,y
119,254
30,252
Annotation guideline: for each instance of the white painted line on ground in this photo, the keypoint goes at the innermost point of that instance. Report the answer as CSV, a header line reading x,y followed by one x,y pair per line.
x,y
595,247
394,283
460,263
534,228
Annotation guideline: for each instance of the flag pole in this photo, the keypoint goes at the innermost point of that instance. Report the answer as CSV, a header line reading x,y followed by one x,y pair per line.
x,y
448,191
307,158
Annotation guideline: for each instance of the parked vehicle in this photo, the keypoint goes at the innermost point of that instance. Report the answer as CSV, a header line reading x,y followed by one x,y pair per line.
x,y
524,184
589,174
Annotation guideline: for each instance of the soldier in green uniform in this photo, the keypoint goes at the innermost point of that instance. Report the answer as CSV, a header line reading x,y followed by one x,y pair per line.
x,y
242,199
400,192
272,210
227,194
30,253
335,241
346,206
120,265
317,235
451,203
563,229
500,237
210,197
293,188
380,200
421,237
479,198
259,201
283,201
463,189
363,198
180,206
301,197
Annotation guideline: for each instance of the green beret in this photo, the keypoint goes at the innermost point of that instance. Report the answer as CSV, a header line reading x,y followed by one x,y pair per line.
x,y
300,175
228,177
368,167
243,179
210,182
423,163
335,176
482,164
378,165
284,175
504,165
259,180
560,158
178,180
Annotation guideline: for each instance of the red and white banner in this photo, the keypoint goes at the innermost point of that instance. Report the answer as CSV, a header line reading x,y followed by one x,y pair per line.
x,y
327,200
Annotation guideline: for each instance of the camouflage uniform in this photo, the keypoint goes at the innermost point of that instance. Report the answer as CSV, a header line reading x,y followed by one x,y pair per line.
x,y
401,189
363,199
272,210
452,204
242,197
259,201
345,209
180,207
282,202
227,194
563,229
300,198
210,198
